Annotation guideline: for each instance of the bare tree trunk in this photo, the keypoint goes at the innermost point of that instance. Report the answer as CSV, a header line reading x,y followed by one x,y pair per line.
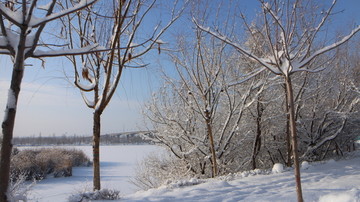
x,y
96,149
288,144
292,128
212,147
6,148
257,141
288,135
9,120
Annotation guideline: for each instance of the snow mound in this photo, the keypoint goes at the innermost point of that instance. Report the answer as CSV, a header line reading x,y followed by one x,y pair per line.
x,y
278,168
184,183
305,165
343,197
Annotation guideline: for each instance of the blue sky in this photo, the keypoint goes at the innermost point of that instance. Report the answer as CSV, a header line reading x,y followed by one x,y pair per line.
x,y
49,104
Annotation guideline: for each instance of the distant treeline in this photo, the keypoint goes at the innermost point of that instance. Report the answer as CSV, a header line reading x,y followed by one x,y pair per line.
x,y
140,137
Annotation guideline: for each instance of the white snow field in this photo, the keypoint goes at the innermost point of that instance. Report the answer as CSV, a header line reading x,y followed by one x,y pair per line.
x,y
331,181
117,167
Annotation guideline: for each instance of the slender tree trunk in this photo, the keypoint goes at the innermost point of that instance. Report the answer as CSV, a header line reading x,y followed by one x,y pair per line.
x,y
292,128
288,135
96,149
257,141
212,147
256,148
9,120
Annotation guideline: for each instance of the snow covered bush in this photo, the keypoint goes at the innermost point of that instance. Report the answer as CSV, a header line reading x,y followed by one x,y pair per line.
x,y
18,190
38,163
155,171
104,194
329,111
77,157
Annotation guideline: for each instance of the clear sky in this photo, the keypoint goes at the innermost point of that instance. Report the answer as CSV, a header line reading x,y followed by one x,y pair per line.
x,y
49,104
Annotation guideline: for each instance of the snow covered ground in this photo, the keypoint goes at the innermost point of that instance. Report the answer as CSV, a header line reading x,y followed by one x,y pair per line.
x,y
117,167
331,181
324,182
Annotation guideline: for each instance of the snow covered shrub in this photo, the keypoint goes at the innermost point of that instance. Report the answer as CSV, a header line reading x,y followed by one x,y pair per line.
x,y
184,183
63,167
155,171
104,194
77,157
18,190
329,115
38,163
24,163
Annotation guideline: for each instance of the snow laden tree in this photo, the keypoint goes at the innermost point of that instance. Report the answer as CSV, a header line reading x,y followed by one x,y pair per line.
x,y
327,112
124,32
199,112
21,24
293,46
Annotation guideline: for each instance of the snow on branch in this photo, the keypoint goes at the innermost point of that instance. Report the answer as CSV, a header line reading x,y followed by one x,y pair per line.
x,y
277,63
82,4
83,87
5,52
15,17
311,149
88,102
325,49
62,52
248,77
237,47
320,25
155,38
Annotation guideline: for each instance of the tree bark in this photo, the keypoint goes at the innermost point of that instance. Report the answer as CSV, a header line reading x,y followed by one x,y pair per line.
x,y
288,135
257,141
211,141
292,128
96,150
9,119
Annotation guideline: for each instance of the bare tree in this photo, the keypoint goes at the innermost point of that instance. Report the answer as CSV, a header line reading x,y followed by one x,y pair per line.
x,y
20,37
199,113
291,50
328,109
118,27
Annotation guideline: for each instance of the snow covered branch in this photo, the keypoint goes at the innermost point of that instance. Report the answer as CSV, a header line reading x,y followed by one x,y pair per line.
x,y
325,49
76,51
237,46
281,60
79,6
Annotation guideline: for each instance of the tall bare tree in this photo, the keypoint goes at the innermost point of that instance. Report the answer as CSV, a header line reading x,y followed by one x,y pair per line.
x,y
199,113
291,50
118,27
21,28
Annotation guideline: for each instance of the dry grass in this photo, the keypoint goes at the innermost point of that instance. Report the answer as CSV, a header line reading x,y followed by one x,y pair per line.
x,y
38,163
